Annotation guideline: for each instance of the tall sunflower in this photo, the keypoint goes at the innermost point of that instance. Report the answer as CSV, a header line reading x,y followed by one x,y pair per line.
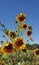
x,y
28,33
8,48
21,17
23,26
19,43
30,27
12,34
36,51
24,50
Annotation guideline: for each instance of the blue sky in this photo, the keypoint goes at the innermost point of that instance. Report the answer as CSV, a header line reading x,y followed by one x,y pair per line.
x,y
9,9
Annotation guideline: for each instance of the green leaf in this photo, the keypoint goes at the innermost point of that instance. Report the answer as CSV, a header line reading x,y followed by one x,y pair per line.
x,y
5,56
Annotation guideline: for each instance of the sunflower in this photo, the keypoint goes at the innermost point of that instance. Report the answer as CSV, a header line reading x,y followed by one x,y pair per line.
x,y
24,50
1,63
21,17
12,34
19,43
8,48
23,26
30,27
28,33
36,51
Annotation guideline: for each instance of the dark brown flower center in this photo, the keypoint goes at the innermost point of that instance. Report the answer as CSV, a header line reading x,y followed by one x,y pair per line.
x,y
9,47
24,50
24,26
37,52
29,33
22,18
19,42
12,34
30,27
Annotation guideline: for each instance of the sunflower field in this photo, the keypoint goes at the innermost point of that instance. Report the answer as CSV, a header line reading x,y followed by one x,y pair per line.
x,y
17,51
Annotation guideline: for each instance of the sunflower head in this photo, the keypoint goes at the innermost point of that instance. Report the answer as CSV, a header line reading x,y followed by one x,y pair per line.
x,y
19,43
12,34
23,26
36,51
8,48
24,50
30,27
21,17
28,33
